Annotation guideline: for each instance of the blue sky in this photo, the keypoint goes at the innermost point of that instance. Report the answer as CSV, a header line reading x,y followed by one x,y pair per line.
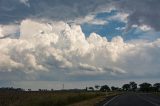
x,y
70,41
107,30
115,28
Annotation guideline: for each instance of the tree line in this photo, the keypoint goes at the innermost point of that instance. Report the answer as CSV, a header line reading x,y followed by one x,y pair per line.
x,y
132,86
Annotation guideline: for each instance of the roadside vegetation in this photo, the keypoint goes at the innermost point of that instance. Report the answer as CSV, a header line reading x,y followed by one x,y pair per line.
x,y
73,97
44,98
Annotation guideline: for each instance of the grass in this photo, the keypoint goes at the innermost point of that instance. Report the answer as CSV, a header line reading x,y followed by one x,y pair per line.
x,y
90,102
45,98
93,101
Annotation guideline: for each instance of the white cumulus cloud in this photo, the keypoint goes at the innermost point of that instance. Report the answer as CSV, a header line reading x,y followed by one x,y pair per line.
x,y
57,50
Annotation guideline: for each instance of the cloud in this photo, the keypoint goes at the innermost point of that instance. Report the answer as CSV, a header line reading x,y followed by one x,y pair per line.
x,y
140,13
58,10
144,12
25,2
120,28
120,17
89,67
90,19
59,51
142,27
10,31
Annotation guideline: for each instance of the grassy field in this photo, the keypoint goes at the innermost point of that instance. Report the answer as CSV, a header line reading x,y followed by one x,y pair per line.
x,y
45,98
90,102
96,100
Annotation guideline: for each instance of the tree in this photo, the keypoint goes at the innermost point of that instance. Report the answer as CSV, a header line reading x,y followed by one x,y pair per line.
x,y
97,87
91,88
105,88
145,87
86,89
126,87
11,89
157,87
133,86
29,89
114,88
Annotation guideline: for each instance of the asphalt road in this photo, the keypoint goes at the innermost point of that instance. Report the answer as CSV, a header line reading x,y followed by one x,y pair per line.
x,y
134,99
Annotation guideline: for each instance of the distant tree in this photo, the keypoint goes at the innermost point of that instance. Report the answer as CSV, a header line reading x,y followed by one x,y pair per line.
x,y
126,87
11,89
157,87
29,89
105,88
145,87
114,88
133,86
86,89
91,88
97,87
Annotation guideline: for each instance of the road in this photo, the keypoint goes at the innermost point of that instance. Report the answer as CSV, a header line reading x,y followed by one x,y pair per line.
x,y
134,99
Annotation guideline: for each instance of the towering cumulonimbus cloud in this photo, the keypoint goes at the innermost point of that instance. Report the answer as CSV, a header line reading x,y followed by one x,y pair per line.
x,y
47,50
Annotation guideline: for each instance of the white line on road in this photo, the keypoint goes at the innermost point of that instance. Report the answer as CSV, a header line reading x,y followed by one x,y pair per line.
x,y
110,100
153,99
155,104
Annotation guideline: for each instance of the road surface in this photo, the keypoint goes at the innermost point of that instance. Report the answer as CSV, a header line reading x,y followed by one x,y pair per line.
x,y
134,99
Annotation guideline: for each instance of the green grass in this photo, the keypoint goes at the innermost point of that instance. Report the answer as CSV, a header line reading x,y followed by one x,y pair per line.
x,y
44,98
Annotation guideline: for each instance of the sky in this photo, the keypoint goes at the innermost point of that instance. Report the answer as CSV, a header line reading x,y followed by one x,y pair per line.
x,y
45,43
